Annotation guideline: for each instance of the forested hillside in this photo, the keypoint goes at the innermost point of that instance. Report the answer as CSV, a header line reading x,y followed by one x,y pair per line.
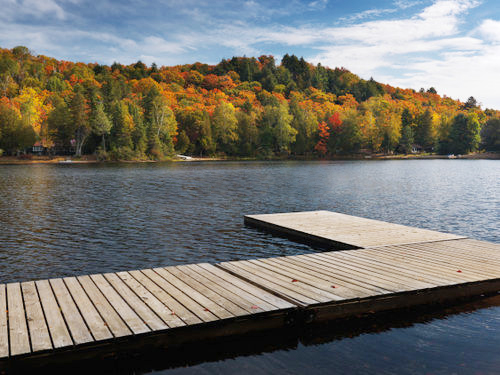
x,y
239,107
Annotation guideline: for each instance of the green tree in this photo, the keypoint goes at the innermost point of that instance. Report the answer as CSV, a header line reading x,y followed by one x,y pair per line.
x,y
348,138
423,131
407,139
121,131
139,131
60,124
277,122
15,134
490,135
163,124
305,122
101,124
464,133
225,126
80,120
206,143
248,133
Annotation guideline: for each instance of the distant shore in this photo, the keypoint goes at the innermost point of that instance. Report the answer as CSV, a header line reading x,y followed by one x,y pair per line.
x,y
90,159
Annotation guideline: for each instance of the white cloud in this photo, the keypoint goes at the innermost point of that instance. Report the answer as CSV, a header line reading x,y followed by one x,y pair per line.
x,y
490,30
31,8
433,47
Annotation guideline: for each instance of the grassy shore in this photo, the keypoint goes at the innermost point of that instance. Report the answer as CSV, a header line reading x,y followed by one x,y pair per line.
x,y
86,159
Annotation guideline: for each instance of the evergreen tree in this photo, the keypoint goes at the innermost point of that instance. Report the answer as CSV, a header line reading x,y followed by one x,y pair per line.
x,y
101,124
490,135
464,134
423,131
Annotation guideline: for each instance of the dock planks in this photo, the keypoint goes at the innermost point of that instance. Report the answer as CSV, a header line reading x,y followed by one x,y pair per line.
x,y
36,318
342,231
393,266
341,283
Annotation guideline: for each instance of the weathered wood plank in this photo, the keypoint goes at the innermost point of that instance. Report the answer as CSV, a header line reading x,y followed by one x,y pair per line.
x,y
368,262
206,288
323,271
359,275
57,327
77,327
139,307
240,297
4,331
38,331
430,264
18,328
313,278
287,282
97,326
173,305
200,311
409,282
250,288
211,306
149,299
312,289
108,313
266,282
134,323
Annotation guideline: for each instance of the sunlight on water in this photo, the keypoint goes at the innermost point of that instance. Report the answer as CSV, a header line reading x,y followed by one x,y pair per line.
x,y
61,220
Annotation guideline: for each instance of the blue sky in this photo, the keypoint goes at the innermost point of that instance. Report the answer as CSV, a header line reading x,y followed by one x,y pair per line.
x,y
453,45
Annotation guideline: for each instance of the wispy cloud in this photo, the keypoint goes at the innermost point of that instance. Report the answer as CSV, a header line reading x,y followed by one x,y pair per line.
x,y
407,43
318,4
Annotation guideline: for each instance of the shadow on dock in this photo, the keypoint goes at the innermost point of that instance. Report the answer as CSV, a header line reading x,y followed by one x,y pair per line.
x,y
253,344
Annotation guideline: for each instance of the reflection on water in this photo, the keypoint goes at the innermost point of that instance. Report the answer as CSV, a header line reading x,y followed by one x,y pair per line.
x,y
330,347
60,220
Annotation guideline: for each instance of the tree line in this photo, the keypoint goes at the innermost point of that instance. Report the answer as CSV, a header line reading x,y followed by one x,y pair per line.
x,y
248,107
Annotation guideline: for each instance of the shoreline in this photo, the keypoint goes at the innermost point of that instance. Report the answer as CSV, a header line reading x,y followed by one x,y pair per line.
x,y
90,159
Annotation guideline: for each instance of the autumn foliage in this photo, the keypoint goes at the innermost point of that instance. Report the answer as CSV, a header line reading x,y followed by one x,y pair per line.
x,y
239,107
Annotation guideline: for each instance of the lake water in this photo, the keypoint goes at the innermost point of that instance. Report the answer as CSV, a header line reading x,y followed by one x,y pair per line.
x,y
61,220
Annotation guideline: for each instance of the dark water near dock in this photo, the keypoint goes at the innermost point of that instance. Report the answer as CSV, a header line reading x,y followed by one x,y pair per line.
x,y
61,220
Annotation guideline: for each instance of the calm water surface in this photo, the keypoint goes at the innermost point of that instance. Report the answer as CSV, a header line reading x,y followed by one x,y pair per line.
x,y
60,220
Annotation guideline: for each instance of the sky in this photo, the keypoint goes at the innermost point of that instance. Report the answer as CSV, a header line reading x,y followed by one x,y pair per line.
x,y
451,45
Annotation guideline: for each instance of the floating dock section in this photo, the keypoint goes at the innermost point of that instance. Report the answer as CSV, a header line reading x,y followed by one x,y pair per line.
x,y
393,267
339,231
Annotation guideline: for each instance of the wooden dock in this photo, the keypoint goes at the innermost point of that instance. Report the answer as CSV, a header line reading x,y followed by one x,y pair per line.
x,y
339,231
394,266
172,305
339,284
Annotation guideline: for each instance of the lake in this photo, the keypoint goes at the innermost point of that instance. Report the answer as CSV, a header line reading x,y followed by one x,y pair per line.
x,y
62,220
